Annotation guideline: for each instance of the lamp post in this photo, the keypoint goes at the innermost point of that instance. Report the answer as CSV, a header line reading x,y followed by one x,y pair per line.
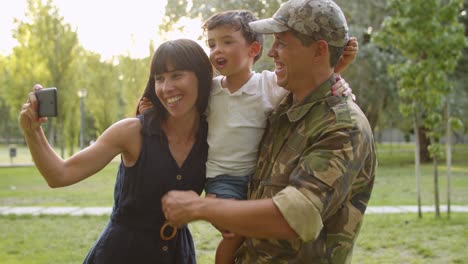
x,y
82,94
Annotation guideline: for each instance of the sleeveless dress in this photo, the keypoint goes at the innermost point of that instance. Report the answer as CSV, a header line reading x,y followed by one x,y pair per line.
x,y
133,233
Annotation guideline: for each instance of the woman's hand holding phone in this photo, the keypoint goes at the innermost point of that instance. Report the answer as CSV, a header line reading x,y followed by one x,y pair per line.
x,y
29,117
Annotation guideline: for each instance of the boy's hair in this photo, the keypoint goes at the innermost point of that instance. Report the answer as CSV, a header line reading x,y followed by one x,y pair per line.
x,y
239,20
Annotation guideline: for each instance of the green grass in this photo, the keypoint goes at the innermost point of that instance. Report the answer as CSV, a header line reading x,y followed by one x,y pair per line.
x,y
23,186
403,238
396,238
67,239
395,183
22,154
399,238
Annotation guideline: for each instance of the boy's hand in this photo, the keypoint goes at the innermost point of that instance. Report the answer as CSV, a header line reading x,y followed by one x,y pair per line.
x,y
348,56
144,104
341,87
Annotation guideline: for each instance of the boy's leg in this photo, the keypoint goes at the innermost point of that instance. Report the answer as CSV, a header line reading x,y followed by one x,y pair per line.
x,y
227,187
227,249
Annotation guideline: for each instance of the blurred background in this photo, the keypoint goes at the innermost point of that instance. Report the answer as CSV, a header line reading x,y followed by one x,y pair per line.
x,y
410,73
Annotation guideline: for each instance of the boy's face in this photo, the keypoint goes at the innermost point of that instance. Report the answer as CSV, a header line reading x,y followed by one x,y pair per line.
x,y
229,52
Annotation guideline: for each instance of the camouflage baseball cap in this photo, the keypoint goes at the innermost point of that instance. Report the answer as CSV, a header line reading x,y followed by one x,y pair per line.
x,y
320,19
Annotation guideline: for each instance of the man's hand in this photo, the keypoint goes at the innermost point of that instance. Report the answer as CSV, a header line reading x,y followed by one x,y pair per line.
x,y
144,104
179,207
348,56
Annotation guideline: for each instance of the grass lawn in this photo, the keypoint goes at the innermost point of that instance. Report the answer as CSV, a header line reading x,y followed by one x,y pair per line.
x,y
23,186
396,238
395,183
399,238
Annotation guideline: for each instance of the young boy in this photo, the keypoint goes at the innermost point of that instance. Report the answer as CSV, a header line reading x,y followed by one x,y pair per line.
x,y
240,103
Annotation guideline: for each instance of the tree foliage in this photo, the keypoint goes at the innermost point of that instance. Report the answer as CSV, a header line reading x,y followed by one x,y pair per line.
x,y
49,53
364,14
430,37
377,94
203,9
44,55
460,78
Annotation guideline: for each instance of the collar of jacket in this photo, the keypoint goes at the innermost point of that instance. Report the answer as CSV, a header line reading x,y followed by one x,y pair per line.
x,y
295,112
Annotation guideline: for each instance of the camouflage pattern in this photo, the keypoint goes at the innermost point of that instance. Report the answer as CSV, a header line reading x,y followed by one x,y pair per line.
x,y
323,152
320,19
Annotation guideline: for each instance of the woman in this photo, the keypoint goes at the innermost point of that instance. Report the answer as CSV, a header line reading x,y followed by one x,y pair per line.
x,y
163,149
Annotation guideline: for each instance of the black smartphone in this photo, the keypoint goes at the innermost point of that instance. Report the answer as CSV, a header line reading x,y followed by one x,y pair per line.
x,y
47,102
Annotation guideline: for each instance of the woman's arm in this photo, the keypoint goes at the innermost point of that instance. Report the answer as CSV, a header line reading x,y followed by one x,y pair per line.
x,y
119,138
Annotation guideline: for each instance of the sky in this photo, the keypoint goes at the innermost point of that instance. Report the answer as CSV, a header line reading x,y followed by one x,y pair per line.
x,y
109,27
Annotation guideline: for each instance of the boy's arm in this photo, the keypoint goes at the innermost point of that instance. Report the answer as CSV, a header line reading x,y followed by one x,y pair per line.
x,y
348,56
143,105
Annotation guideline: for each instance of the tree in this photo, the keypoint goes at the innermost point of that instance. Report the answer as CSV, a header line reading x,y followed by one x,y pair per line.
x,y
48,52
376,90
202,9
47,48
460,78
454,116
364,14
430,37
133,77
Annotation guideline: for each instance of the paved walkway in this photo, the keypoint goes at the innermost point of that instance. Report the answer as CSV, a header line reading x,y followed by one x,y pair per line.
x,y
97,211
16,164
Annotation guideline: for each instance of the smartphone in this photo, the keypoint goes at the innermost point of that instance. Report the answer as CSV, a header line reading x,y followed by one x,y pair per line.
x,y
47,102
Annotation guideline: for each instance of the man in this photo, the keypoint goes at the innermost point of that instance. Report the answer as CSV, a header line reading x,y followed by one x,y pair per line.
x,y
317,160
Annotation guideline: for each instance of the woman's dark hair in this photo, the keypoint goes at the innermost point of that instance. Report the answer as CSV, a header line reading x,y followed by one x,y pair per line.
x,y
185,55
239,20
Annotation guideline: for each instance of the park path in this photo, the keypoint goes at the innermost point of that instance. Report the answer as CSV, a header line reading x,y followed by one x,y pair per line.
x,y
97,211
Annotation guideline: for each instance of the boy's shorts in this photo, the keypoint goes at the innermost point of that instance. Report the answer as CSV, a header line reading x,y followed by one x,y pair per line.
x,y
228,187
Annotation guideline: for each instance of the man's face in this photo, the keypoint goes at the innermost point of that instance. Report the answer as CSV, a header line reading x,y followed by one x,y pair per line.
x,y
293,61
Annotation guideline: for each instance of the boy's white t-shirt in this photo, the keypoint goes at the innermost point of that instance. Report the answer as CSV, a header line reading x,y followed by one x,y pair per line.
x,y
236,123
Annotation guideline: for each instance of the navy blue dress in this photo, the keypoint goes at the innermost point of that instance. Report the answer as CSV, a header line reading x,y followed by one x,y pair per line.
x,y
133,232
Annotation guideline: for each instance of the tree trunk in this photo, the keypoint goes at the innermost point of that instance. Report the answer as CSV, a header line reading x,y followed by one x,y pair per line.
x,y
373,118
424,144
417,158
436,188
50,128
449,158
61,140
